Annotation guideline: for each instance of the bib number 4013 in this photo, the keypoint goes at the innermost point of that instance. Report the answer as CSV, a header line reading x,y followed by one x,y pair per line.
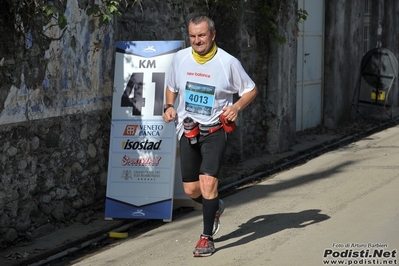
x,y
133,93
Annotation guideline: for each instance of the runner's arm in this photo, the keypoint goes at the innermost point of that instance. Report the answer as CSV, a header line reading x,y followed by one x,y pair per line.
x,y
231,112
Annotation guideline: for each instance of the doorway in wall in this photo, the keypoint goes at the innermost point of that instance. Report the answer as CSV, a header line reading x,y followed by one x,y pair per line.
x,y
309,99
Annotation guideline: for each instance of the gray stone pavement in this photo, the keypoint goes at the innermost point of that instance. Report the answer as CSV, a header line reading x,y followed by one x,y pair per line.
x,y
78,235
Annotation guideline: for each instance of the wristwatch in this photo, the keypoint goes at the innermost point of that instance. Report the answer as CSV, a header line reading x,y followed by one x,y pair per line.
x,y
166,106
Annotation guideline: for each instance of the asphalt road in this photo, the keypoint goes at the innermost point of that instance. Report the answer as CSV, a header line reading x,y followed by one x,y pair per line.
x,y
342,206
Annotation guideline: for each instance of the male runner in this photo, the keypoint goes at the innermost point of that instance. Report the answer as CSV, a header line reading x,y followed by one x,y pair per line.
x,y
204,78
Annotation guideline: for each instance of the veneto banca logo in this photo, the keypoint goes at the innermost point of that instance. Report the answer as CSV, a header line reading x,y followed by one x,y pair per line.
x,y
130,130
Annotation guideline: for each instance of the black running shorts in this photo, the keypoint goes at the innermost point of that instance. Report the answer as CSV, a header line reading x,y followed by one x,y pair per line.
x,y
203,158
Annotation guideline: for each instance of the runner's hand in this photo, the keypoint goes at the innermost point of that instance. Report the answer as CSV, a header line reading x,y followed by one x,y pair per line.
x,y
169,115
231,113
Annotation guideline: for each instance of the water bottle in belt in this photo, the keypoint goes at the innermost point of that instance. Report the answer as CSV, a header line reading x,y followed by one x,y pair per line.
x,y
191,130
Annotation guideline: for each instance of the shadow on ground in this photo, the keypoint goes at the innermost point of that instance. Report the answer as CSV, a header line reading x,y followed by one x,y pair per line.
x,y
265,225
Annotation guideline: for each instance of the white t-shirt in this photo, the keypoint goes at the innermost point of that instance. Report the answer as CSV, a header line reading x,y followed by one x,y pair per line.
x,y
204,90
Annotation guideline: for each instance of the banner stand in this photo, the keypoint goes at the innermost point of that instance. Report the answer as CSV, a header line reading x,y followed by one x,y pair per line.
x,y
144,161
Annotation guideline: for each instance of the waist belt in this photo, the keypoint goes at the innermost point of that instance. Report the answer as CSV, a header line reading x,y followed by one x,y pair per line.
x,y
209,129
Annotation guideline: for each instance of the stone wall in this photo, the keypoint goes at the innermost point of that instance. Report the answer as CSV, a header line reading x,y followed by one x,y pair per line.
x,y
53,172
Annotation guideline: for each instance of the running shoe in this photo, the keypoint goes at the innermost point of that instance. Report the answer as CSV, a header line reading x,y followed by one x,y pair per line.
x,y
205,247
216,222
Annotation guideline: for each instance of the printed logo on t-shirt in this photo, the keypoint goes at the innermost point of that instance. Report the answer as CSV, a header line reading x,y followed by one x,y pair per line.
x,y
199,98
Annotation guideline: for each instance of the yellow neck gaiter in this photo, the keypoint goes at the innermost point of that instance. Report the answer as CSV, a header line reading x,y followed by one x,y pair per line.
x,y
202,59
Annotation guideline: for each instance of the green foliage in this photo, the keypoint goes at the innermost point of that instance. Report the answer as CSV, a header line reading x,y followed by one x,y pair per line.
x,y
25,15
50,11
105,11
108,9
272,12
302,15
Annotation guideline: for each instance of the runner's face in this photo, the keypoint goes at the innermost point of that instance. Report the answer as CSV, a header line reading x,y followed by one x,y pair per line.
x,y
201,39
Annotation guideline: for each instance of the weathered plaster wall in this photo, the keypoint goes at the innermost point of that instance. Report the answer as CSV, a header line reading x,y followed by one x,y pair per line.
x,y
343,50
281,86
77,71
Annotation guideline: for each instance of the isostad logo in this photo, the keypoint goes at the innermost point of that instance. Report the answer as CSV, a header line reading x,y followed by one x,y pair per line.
x,y
141,145
130,130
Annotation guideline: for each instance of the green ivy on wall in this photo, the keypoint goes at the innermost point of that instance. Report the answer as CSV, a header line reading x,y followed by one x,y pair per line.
x,y
272,12
25,15
109,8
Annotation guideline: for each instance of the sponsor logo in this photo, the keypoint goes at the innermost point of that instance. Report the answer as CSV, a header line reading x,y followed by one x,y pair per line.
x,y
139,212
150,130
141,145
143,130
130,130
127,174
147,161
150,49
196,74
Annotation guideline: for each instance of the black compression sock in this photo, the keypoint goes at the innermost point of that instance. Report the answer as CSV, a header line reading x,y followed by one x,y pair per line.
x,y
198,200
209,209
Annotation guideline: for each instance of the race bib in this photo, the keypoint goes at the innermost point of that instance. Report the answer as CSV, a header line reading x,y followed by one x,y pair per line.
x,y
199,98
